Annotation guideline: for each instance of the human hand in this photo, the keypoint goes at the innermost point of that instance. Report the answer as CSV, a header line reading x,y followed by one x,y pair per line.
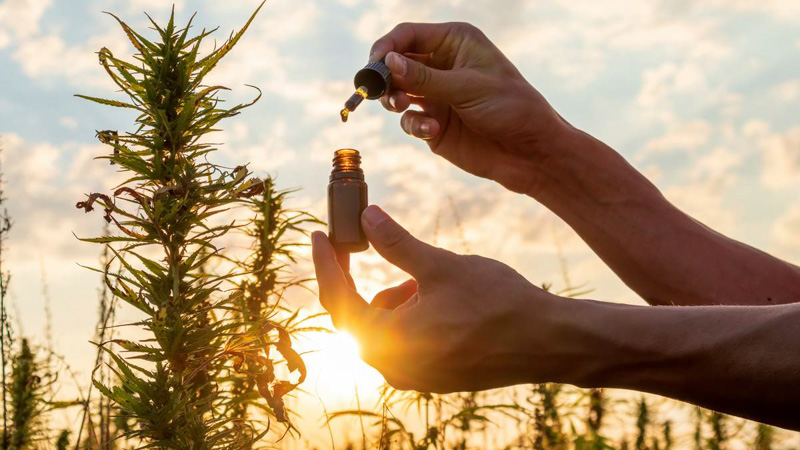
x,y
477,110
463,323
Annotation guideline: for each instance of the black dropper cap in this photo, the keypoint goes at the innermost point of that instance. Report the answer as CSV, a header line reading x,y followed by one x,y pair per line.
x,y
375,77
371,82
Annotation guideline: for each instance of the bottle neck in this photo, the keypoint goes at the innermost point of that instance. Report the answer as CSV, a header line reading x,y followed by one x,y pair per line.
x,y
346,164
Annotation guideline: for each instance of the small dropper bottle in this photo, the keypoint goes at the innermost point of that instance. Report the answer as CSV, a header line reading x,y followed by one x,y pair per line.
x,y
347,199
371,82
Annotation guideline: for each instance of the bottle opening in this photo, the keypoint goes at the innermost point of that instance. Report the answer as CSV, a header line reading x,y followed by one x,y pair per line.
x,y
346,160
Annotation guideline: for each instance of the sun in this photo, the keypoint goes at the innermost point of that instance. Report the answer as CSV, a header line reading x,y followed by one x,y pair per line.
x,y
336,369
345,346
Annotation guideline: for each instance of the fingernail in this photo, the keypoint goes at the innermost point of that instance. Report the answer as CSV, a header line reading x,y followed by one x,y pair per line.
x,y
425,129
315,237
374,216
396,63
393,101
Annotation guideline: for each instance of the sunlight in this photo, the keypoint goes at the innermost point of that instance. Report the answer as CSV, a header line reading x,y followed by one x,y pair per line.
x,y
346,346
337,368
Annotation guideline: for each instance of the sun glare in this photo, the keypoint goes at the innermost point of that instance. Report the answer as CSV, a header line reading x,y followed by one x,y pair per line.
x,y
337,369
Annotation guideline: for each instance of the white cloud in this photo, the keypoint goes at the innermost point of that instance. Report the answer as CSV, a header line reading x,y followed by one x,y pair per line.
x,y
262,58
788,91
267,151
68,122
43,183
19,19
786,229
717,165
781,158
703,200
150,6
782,10
666,85
668,79
50,59
680,137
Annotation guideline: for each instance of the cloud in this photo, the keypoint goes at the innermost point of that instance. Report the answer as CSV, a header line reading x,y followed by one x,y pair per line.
x,y
20,19
68,122
680,137
788,91
781,10
265,150
149,6
700,187
703,200
50,59
786,229
780,158
263,57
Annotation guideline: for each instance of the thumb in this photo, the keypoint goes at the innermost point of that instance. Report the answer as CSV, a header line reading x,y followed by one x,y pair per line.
x,y
418,79
397,246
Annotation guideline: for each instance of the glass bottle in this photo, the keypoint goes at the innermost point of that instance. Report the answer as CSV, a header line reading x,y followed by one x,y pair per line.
x,y
347,199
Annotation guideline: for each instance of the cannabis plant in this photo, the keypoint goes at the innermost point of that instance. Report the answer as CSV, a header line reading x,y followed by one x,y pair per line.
x,y
27,389
5,330
169,218
260,306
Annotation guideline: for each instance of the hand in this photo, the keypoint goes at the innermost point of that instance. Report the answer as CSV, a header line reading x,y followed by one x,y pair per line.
x,y
477,110
463,323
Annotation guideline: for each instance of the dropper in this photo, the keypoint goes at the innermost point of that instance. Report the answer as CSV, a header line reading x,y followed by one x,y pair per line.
x,y
371,83
352,103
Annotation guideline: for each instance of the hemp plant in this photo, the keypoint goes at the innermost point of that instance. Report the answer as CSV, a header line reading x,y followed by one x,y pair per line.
x,y
169,218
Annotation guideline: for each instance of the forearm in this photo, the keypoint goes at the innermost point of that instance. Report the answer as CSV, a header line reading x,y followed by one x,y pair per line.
x,y
740,360
661,253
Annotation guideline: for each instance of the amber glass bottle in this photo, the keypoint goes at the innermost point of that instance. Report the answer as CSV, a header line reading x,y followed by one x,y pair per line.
x,y
347,199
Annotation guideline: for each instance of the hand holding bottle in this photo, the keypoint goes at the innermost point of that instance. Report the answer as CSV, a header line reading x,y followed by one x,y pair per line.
x,y
443,330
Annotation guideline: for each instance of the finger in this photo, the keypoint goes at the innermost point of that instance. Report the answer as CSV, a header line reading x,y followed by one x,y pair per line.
x,y
335,293
419,79
396,101
418,124
426,59
344,262
415,38
397,246
395,296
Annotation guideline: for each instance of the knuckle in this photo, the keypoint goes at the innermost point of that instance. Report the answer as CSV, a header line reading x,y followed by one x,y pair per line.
x,y
464,28
423,75
402,26
379,44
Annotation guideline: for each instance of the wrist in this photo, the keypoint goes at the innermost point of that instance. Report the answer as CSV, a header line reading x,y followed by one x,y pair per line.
x,y
553,155
590,344
629,346
559,340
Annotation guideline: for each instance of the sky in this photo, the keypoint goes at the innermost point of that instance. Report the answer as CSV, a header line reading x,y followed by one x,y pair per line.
x,y
702,97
